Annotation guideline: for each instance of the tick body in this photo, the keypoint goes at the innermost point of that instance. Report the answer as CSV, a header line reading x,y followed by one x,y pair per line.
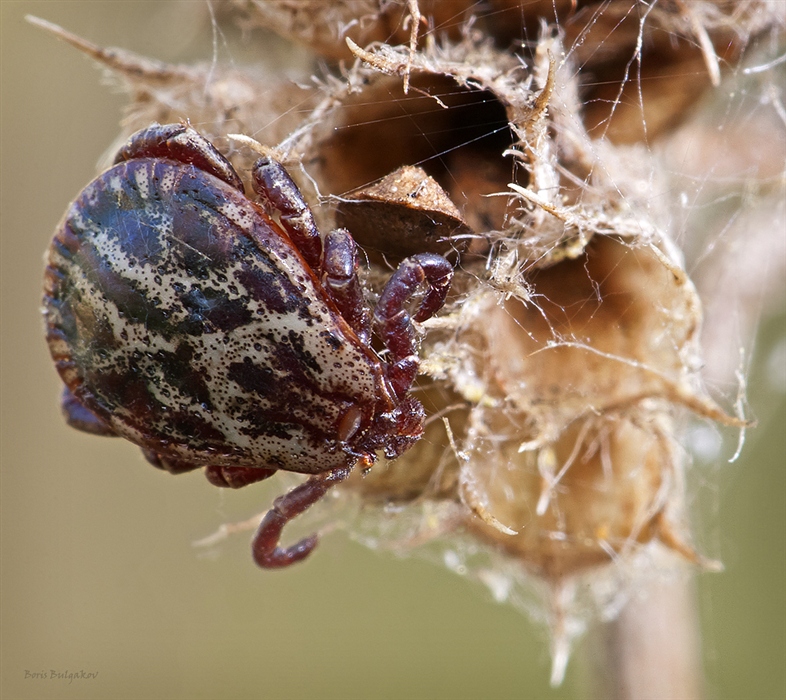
x,y
183,318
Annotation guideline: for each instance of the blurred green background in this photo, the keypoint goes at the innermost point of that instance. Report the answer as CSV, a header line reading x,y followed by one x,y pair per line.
x,y
98,572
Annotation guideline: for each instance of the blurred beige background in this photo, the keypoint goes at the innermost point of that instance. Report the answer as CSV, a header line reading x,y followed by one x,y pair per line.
x,y
98,572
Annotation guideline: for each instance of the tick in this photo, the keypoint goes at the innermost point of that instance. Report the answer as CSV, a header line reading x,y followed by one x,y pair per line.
x,y
216,331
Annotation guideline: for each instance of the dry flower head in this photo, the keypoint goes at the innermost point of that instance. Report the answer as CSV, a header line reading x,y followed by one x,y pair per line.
x,y
567,356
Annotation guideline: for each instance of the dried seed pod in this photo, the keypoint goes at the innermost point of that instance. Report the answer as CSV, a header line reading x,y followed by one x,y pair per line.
x,y
404,212
569,397
648,65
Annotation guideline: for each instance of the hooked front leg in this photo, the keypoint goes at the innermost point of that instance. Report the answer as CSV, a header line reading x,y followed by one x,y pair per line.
x,y
264,547
392,320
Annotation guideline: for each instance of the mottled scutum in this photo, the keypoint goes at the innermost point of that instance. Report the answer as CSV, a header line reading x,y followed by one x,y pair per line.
x,y
181,314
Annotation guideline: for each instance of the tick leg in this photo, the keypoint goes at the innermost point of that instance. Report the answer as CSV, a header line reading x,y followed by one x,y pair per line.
x,y
225,477
167,464
236,477
181,143
81,418
392,320
340,280
264,547
279,194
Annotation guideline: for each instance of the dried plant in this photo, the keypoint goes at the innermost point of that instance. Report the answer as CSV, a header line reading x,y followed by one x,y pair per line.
x,y
560,376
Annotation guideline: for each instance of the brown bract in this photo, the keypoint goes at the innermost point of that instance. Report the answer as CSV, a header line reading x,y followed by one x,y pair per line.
x,y
405,211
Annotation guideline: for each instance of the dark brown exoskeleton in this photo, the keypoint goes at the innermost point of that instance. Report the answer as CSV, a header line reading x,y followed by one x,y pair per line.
x,y
183,318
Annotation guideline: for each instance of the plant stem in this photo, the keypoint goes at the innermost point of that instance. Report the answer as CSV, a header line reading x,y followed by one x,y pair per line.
x,y
652,651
